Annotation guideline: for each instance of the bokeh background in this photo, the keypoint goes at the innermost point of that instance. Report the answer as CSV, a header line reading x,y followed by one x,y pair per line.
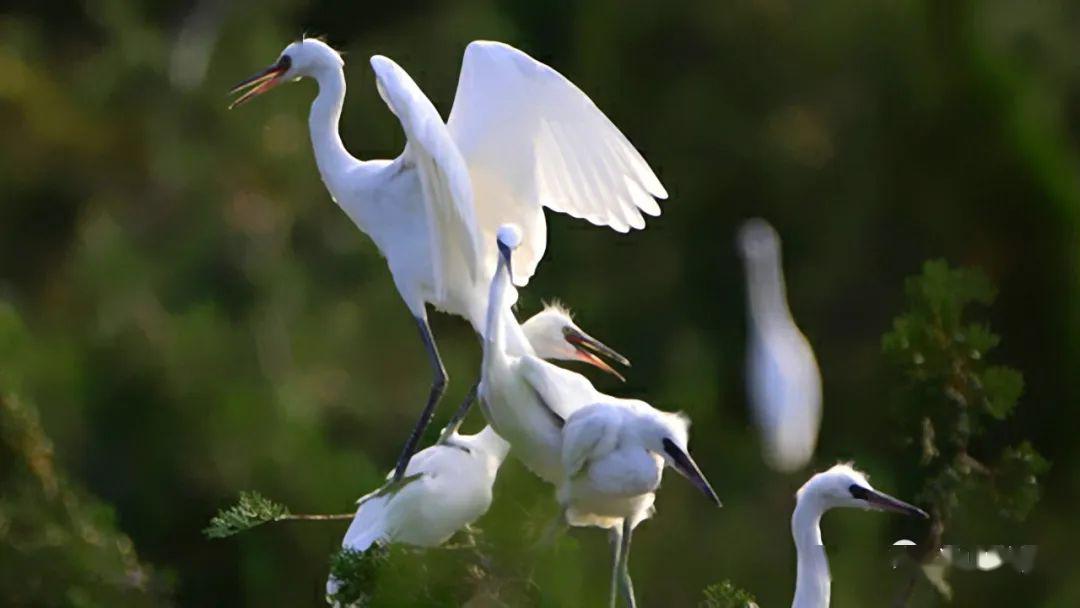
x,y
185,314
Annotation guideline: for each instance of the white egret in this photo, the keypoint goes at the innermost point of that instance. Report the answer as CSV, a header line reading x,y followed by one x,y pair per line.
x,y
520,137
604,454
445,488
523,396
613,458
448,485
840,486
782,376
553,335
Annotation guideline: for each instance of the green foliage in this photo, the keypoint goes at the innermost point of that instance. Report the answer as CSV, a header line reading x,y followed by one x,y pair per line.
x,y
727,595
354,573
59,546
251,510
954,392
456,574
1017,480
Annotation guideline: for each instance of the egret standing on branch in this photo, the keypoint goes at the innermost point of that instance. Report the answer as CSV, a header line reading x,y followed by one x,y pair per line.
x,y
840,486
605,455
520,137
613,457
782,376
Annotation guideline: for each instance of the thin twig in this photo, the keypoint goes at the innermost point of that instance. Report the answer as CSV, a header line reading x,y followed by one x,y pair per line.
x,y
317,516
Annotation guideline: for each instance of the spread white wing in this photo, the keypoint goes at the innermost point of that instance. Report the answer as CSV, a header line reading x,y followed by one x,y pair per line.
x,y
444,177
531,138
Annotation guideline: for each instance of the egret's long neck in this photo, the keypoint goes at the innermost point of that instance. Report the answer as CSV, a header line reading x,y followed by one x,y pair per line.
x,y
765,290
494,332
812,575
330,154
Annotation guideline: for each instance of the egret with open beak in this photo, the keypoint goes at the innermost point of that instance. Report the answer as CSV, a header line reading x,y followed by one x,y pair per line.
x,y
261,82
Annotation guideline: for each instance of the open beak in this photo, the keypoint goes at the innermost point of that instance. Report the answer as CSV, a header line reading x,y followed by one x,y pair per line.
x,y
884,502
589,350
686,467
261,82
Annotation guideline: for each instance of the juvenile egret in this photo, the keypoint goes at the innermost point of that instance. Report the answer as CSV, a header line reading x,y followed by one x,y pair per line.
x,y
604,454
782,376
840,486
428,512
524,397
553,335
613,457
446,487
520,137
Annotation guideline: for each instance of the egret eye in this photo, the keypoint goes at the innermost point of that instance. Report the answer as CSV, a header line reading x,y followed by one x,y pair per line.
x,y
858,492
285,62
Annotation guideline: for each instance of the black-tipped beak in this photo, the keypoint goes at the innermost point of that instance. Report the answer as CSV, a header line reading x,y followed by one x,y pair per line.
x,y
590,350
686,467
505,253
884,502
261,82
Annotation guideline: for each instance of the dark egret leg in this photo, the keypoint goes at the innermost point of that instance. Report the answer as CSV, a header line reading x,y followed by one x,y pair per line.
x,y
459,416
552,532
438,387
616,566
624,568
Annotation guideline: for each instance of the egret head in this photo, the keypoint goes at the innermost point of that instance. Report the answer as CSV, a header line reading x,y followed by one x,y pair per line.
x,y
508,239
843,486
305,57
554,335
757,240
667,434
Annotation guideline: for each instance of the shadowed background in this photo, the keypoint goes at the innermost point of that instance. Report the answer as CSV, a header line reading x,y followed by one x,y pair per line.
x,y
191,316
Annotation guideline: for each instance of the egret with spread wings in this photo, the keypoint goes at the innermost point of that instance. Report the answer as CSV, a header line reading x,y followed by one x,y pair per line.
x,y
520,137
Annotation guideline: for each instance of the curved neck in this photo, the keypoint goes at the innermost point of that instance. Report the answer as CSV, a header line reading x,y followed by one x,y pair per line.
x,y
330,154
812,574
494,331
765,290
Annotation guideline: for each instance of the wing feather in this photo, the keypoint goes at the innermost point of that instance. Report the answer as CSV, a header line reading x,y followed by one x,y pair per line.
x,y
591,433
531,138
444,176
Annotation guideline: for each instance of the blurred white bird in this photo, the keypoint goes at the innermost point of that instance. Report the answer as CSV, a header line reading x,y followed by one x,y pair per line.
x,y
613,457
520,137
782,376
840,486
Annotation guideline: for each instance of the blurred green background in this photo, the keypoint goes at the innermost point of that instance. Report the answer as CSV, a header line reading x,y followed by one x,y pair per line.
x,y
191,316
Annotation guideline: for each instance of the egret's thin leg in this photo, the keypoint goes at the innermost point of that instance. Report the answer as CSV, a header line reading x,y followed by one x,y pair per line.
x,y
438,387
552,532
616,566
459,416
627,584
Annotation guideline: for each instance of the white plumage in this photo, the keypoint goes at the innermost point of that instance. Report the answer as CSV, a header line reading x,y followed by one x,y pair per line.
x,y
782,376
446,487
605,455
840,486
520,137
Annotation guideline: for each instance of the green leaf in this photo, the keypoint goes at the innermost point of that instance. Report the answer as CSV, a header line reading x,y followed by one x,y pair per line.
x,y
1017,480
1003,387
253,509
727,595
354,575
